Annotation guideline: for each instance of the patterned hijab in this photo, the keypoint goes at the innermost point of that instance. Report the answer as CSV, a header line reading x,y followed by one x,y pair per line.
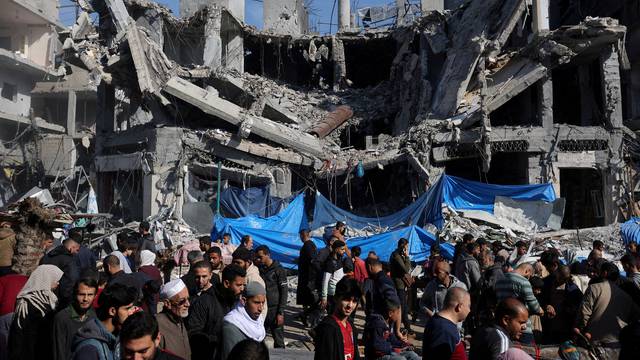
x,y
37,292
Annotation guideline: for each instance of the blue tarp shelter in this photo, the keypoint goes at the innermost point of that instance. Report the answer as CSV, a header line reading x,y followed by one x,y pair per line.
x,y
280,232
457,193
238,202
285,246
630,231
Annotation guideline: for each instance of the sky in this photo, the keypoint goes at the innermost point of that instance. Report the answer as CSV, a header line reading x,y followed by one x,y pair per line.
x,y
320,18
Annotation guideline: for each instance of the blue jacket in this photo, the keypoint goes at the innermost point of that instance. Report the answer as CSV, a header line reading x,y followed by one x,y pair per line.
x,y
378,338
94,342
379,288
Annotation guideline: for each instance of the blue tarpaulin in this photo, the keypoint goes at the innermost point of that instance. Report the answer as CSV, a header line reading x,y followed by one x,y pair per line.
x,y
238,202
630,231
285,247
290,220
457,193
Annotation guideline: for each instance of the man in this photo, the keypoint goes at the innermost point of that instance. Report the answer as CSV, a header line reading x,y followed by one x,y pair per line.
x,y
67,321
146,240
96,340
332,273
246,242
307,292
140,339
400,266
561,305
275,277
193,257
208,309
227,249
436,290
245,321
339,231
85,258
516,284
598,245
441,338
334,337
243,257
63,257
382,289
510,321
461,248
484,249
123,256
379,339
630,266
468,268
116,275
519,253
605,310
214,255
359,267
175,336
205,243
7,247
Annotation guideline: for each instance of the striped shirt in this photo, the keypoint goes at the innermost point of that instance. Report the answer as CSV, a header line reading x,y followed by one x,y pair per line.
x,y
517,286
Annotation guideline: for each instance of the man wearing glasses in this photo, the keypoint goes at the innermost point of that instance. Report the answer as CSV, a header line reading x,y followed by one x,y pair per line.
x,y
175,337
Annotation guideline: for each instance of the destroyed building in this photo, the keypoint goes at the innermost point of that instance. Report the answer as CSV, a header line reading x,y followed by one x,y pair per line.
x,y
47,109
504,92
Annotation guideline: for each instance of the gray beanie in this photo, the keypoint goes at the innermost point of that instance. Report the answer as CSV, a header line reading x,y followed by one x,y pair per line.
x,y
254,289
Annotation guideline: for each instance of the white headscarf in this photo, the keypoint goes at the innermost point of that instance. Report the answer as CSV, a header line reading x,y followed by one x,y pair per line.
x,y
241,319
37,291
147,257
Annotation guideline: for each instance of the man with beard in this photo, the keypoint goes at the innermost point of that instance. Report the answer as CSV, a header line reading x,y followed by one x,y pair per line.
x,y
97,338
140,339
245,320
210,306
175,337
275,277
214,254
67,322
335,338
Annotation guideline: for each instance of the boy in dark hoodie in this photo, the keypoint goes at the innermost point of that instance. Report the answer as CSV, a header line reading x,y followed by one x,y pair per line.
x,y
97,340
334,337
275,280
380,342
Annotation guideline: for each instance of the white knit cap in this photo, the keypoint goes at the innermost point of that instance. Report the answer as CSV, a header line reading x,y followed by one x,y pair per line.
x,y
171,288
147,257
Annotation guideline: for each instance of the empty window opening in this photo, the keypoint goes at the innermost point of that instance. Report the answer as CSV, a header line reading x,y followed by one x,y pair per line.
x,y
10,92
582,189
577,95
506,169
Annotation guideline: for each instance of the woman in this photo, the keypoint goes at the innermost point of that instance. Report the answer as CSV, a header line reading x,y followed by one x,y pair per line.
x,y
29,337
151,288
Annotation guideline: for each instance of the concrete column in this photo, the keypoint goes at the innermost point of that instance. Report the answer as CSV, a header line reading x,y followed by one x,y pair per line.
x,y
213,48
150,195
344,15
610,196
545,103
611,86
540,16
535,171
71,113
401,12
432,5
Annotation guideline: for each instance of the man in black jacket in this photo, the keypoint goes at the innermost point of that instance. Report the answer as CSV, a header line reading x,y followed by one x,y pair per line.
x,y
275,279
209,308
67,321
63,257
146,240
335,338
307,291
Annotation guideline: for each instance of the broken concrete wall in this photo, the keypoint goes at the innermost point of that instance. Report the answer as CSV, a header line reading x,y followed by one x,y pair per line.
x,y
285,17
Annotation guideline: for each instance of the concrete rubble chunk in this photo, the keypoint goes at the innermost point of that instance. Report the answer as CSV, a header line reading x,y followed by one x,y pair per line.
x,y
233,114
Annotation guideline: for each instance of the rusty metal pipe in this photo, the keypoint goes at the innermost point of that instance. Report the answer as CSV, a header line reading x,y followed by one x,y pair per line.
x,y
332,121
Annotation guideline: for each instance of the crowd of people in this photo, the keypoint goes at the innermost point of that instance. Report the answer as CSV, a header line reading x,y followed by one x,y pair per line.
x,y
485,303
